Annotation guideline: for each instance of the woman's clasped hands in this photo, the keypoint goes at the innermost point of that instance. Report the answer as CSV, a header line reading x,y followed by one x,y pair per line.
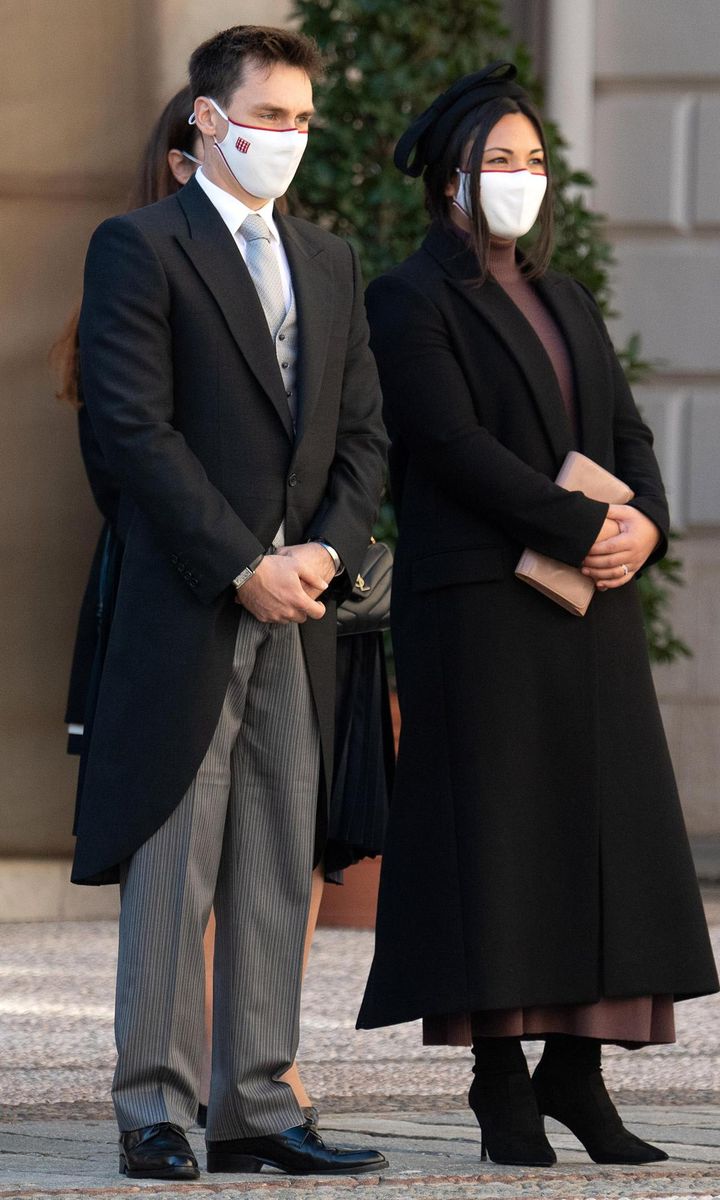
x,y
626,540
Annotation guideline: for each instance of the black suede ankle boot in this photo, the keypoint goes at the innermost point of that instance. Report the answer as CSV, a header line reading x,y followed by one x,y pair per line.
x,y
502,1098
569,1086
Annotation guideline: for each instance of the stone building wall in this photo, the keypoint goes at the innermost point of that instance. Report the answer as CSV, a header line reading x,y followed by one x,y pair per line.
x,y
82,82
657,166
76,80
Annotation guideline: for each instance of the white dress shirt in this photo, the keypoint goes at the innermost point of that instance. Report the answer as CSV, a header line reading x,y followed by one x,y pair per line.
x,y
234,212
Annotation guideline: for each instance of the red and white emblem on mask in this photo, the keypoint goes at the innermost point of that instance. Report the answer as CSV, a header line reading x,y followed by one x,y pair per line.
x,y
268,171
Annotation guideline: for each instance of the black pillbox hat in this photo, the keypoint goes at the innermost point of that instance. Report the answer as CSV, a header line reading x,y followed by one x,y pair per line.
x,y
428,135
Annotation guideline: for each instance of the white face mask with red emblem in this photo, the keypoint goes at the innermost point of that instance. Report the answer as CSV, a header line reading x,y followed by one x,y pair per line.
x,y
510,200
263,161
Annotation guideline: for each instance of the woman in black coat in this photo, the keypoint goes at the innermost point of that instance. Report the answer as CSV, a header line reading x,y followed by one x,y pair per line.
x,y
537,880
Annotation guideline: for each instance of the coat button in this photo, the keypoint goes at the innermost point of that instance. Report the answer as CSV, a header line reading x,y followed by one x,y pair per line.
x,y
292,479
173,559
284,366
281,337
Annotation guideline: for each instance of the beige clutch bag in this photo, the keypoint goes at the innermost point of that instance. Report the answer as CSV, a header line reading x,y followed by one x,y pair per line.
x,y
559,581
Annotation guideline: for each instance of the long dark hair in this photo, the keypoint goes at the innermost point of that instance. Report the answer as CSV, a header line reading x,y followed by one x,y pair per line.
x,y
475,128
154,181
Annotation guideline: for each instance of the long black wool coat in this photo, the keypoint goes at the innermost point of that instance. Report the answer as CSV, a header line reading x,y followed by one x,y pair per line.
x,y
536,852
185,396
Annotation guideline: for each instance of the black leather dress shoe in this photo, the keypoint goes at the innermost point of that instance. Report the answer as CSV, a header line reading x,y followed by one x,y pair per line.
x,y
312,1117
297,1151
157,1152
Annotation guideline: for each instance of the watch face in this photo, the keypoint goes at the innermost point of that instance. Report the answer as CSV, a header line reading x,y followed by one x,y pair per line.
x,y
242,577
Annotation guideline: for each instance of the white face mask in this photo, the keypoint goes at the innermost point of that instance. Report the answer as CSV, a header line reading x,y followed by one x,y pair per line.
x,y
263,161
510,200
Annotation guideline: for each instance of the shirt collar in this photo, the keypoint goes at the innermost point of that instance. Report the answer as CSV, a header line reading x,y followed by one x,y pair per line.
x,y
232,210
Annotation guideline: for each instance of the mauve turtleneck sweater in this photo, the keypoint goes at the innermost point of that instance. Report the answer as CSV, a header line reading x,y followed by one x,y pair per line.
x,y
505,269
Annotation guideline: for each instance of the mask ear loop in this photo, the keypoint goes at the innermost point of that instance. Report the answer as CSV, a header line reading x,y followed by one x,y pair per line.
x,y
456,202
192,119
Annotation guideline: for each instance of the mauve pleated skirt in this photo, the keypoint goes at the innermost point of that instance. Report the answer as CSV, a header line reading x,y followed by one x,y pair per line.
x,y
633,1022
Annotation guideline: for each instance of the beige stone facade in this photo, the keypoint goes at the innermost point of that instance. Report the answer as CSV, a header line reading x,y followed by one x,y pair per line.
x,y
82,82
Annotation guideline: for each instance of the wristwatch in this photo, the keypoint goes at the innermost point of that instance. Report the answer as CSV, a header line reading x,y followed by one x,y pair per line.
x,y
337,561
248,572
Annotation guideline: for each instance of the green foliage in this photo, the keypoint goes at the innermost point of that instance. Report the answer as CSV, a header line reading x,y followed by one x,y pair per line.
x,y
654,587
634,365
386,61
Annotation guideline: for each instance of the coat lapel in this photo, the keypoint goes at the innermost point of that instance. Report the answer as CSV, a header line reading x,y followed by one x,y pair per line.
x,y
515,332
593,384
312,283
212,251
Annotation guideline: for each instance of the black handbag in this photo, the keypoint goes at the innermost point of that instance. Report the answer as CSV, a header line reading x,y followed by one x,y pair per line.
x,y
367,608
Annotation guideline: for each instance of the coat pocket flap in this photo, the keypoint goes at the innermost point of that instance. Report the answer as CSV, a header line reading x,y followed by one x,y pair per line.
x,y
457,566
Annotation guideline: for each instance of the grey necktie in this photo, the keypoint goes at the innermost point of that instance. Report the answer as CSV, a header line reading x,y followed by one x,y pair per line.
x,y
263,266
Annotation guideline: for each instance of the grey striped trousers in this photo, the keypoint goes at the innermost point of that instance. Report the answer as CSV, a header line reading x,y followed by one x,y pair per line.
x,y
241,838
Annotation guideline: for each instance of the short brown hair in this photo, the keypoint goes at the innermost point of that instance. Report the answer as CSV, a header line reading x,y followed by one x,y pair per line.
x,y
216,67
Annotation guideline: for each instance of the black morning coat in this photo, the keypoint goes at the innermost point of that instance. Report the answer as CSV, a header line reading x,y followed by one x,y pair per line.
x,y
185,396
536,852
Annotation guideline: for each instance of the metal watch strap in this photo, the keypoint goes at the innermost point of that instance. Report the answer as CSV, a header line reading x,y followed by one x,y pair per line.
x,y
248,571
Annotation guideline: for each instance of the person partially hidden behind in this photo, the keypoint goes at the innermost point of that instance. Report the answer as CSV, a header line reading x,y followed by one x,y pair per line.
x,y
228,380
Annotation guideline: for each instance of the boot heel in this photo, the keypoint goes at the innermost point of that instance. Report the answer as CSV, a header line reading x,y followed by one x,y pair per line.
x,y
511,1129
246,1164
123,1166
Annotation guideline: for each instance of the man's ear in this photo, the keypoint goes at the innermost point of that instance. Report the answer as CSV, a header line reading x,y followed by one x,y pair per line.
x,y
207,118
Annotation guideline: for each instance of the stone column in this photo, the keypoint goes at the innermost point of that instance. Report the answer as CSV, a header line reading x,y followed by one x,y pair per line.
x,y
182,25
75,78
658,178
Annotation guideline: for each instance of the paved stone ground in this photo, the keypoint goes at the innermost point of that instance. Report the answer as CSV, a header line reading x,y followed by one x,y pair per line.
x,y
377,1088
